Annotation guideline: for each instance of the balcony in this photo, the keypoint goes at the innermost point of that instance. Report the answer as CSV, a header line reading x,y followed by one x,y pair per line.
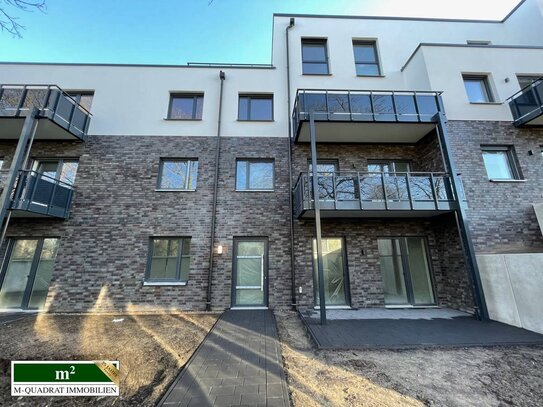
x,y
37,195
346,116
68,120
375,194
527,105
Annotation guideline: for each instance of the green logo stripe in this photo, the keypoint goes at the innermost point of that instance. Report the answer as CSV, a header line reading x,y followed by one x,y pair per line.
x,y
59,373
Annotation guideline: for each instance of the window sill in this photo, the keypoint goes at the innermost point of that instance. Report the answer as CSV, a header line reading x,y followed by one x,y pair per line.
x,y
254,190
514,181
163,283
252,121
370,76
182,120
486,103
174,190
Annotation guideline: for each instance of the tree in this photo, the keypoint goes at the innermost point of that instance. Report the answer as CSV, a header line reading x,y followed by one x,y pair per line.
x,y
10,23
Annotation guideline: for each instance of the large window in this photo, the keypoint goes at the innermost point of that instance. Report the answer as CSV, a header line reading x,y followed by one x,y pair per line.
x,y
169,260
254,175
178,174
314,57
478,88
334,272
365,58
500,163
83,98
186,106
64,170
255,107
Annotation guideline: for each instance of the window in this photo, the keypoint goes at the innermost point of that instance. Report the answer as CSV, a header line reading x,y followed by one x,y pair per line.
x,y
169,260
83,98
500,163
178,174
186,106
389,166
255,107
478,89
526,80
63,170
254,175
365,58
314,57
1,162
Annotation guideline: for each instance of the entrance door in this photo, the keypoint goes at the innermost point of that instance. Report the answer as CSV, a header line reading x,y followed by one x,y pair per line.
x,y
250,273
406,271
335,276
27,273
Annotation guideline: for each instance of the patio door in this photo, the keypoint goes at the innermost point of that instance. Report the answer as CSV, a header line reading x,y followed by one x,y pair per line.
x,y
406,271
335,273
250,272
27,273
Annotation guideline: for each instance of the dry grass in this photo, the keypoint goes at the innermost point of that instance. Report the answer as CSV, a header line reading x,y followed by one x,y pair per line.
x,y
151,350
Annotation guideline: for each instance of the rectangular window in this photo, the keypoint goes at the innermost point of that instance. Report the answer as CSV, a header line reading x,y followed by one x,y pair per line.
x,y
526,80
169,259
365,58
63,170
186,106
478,89
83,98
314,57
254,175
255,107
500,162
178,174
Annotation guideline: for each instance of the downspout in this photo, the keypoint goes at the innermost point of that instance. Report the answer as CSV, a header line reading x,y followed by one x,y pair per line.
x,y
289,143
222,76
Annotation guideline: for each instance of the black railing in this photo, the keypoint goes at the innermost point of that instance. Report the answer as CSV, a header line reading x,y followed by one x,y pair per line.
x,y
365,106
42,194
373,191
527,104
53,103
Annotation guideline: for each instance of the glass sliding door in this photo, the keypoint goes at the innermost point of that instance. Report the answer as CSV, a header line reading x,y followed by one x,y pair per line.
x,y
27,273
335,274
249,288
406,271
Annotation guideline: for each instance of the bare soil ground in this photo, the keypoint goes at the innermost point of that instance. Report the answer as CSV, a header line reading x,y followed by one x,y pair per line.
x,y
151,350
475,376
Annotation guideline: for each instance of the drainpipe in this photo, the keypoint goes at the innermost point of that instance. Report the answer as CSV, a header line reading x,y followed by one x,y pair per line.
x,y
222,77
289,142
20,157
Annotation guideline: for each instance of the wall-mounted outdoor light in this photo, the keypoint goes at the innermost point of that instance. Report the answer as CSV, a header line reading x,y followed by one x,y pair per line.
x,y
219,249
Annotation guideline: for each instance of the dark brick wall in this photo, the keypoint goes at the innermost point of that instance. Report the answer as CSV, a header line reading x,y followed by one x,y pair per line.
x,y
501,215
103,251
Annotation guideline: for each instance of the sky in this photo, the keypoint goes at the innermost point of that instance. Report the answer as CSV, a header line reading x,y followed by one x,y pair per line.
x,y
181,31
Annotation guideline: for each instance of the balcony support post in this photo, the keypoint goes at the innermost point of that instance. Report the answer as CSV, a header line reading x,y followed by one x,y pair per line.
x,y
462,220
21,153
316,200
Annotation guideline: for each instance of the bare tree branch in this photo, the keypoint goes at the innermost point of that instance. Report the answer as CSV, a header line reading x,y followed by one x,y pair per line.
x,y
10,23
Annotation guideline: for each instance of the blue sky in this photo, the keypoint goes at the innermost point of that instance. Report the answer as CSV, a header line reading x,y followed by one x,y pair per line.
x,y
181,31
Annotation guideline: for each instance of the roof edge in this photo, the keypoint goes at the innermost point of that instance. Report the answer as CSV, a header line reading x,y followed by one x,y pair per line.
x,y
192,66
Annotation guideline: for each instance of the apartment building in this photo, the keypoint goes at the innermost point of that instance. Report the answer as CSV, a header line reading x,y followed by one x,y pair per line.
x,y
143,188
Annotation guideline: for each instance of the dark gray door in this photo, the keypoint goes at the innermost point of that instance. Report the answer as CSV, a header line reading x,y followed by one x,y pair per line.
x,y
250,272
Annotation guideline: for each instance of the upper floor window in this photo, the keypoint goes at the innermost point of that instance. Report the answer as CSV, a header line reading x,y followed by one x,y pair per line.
x,y
169,260
63,170
365,58
314,57
178,174
389,166
478,88
255,107
83,98
254,175
186,106
500,163
525,80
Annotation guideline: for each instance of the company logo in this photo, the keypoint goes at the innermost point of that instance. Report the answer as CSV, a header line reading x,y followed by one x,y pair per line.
x,y
65,378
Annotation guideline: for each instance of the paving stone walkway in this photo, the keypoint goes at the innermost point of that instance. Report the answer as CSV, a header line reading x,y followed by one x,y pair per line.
x,y
238,364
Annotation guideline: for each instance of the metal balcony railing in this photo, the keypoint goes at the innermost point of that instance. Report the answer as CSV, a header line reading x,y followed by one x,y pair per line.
x,y
527,104
365,106
371,191
53,103
41,194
